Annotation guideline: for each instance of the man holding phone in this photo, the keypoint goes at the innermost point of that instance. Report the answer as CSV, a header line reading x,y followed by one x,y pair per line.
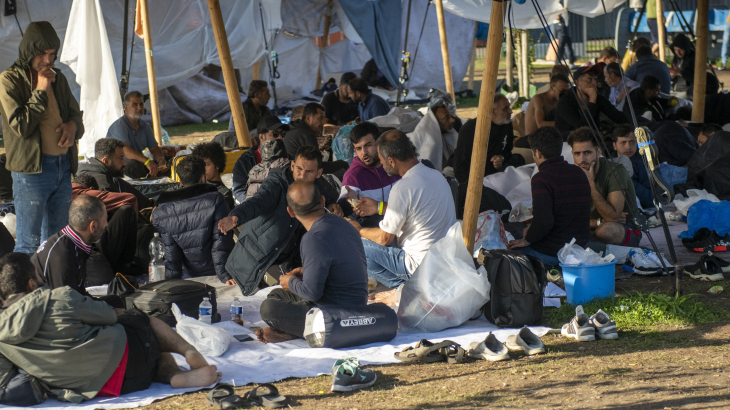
x,y
41,123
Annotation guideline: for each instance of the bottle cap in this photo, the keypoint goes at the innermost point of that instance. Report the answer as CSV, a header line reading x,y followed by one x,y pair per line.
x,y
157,234
206,299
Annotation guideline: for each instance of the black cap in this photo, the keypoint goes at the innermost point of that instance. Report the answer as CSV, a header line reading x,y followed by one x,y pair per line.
x,y
271,123
595,69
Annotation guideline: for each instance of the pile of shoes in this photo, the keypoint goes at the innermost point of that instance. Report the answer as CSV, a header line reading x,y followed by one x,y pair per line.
x,y
584,329
647,263
493,350
428,352
708,268
705,240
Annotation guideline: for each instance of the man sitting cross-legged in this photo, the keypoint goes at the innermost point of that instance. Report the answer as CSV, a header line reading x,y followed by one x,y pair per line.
x,y
333,268
81,348
561,201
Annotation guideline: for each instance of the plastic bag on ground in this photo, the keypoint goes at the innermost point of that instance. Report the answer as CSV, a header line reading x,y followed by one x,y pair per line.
x,y
445,291
490,232
573,254
208,339
693,196
521,212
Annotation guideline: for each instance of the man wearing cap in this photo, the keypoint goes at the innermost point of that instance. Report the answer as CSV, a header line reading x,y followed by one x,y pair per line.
x,y
583,100
339,108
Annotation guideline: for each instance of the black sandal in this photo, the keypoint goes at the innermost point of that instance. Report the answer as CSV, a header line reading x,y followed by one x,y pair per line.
x,y
223,396
268,396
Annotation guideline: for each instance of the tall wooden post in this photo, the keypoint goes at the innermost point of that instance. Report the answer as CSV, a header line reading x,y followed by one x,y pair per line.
x,y
151,79
325,38
484,123
256,69
445,49
229,76
702,32
473,61
518,61
510,57
525,60
660,29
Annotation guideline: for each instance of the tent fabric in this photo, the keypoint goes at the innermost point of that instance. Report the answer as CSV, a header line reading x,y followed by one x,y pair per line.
x,y
306,18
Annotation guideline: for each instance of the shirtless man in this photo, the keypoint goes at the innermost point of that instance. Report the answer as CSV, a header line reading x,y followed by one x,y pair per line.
x,y
541,110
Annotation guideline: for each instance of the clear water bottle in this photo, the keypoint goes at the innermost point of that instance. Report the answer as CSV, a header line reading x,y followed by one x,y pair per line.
x,y
237,312
205,311
157,259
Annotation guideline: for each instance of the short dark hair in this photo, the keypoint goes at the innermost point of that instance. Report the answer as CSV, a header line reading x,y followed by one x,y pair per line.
x,y
621,131
297,112
640,42
359,85
643,50
649,82
582,134
614,68
190,169
559,77
85,209
256,87
313,204
347,77
560,69
105,147
133,94
361,130
212,151
710,129
310,153
548,141
87,180
311,109
395,144
16,270
609,52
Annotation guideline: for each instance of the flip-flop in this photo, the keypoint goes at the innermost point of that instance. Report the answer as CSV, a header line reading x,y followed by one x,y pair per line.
x,y
266,395
454,353
223,397
424,351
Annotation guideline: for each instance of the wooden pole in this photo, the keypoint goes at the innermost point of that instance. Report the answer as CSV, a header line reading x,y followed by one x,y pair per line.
x,y
256,70
484,124
660,29
473,61
151,79
525,49
445,49
702,32
229,76
325,38
518,61
510,56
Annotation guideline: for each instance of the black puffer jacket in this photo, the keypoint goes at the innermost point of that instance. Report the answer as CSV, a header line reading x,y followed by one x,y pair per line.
x,y
108,182
187,220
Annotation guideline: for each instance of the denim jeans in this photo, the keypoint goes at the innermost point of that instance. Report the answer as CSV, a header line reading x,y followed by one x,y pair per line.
x,y
545,259
386,264
725,42
41,202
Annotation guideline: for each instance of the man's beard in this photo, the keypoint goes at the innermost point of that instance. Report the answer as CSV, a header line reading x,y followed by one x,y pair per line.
x,y
389,170
117,172
371,162
137,115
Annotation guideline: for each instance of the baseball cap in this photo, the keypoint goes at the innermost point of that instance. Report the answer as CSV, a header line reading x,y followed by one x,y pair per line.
x,y
271,123
595,69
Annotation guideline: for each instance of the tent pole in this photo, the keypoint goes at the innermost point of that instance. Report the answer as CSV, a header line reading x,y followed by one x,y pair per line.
x,y
473,61
700,86
660,29
518,61
229,76
154,104
509,57
124,81
445,49
484,123
405,57
255,74
325,39
525,49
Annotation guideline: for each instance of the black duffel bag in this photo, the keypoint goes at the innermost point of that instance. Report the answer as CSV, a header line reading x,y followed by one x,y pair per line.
x,y
156,299
340,326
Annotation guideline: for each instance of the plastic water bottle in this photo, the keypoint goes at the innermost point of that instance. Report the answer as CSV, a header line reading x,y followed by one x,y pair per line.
x,y
157,259
237,312
205,311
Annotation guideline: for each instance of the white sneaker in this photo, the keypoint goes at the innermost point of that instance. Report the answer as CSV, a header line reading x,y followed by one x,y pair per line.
x,y
647,263
579,328
605,327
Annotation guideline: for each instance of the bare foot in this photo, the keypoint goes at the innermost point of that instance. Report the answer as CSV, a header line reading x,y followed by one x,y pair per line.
x,y
195,359
271,335
388,297
202,377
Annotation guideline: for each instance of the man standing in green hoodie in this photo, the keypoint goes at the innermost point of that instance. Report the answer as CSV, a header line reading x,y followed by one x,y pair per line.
x,y
42,122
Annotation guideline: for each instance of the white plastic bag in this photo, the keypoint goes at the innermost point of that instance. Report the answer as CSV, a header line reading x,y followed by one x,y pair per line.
x,y
693,196
10,223
490,232
445,291
209,340
521,212
573,254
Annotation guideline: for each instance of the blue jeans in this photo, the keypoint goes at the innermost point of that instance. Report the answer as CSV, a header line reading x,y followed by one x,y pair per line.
x,y
725,42
41,202
545,259
386,264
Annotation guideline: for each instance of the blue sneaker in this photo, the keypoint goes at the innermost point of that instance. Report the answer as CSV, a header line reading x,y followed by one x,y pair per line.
x,y
349,375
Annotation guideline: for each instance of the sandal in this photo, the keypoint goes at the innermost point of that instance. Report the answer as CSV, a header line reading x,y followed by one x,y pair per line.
x,y
268,396
223,397
424,351
454,353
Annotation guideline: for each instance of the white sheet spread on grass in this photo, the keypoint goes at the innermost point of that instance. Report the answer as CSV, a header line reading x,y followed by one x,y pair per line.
x,y
255,362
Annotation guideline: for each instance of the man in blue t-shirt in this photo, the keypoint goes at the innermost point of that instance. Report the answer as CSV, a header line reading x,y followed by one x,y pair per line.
x,y
369,105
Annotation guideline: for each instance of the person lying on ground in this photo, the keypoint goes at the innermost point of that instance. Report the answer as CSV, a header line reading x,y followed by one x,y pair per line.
x,y
85,184
582,101
706,132
646,99
273,155
369,105
107,168
186,220
254,107
647,64
620,85
137,136
63,258
366,182
215,163
541,110
420,212
333,271
81,348
561,201
624,142
614,199
339,108
269,235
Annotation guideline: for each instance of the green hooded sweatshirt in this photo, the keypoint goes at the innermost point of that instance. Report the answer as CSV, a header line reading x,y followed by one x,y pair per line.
x,y
22,107
71,343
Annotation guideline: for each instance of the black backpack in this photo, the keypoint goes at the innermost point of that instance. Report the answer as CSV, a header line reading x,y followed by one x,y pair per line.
x,y
518,285
156,299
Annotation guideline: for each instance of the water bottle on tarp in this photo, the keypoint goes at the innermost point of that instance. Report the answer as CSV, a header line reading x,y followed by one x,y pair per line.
x,y
205,311
237,312
157,259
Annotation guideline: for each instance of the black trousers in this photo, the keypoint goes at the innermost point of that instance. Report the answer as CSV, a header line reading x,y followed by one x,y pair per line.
x,y
285,311
118,245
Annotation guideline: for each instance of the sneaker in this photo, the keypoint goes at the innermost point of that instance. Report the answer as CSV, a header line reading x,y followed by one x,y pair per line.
x,y
605,327
555,277
527,341
490,349
647,263
705,240
579,328
349,375
706,269
723,264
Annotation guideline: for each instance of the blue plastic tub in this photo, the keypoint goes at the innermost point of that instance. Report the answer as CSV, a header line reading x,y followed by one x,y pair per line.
x,y
585,283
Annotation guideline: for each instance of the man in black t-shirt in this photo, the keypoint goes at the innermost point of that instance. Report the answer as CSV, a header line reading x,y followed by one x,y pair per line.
x,y
339,109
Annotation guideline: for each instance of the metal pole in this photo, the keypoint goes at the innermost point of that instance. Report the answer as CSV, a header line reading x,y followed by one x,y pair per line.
x,y
123,83
405,57
151,79
702,31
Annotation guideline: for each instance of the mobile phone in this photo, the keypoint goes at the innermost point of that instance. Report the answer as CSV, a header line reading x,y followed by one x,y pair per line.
x,y
243,338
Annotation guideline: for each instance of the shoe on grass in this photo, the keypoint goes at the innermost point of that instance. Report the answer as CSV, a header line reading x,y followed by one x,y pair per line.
x,y
604,326
647,263
705,240
526,341
490,349
706,269
579,328
722,263
349,375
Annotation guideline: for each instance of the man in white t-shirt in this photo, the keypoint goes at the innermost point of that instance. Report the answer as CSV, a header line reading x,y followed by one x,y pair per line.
x,y
419,212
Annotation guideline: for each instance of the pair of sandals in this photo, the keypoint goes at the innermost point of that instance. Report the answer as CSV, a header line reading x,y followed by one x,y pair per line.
x,y
267,395
428,352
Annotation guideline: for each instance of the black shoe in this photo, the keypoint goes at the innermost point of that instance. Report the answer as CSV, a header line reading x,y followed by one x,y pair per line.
x,y
705,240
705,269
721,263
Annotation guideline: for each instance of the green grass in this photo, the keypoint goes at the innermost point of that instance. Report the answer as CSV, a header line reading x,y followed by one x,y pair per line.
x,y
640,310
178,130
